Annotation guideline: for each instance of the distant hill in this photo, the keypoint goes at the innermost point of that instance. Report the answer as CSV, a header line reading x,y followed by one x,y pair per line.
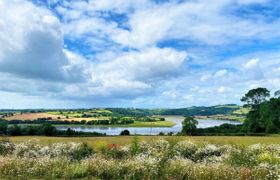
x,y
226,109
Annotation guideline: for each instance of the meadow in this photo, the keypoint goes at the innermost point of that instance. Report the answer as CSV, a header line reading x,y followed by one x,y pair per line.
x,y
140,158
97,142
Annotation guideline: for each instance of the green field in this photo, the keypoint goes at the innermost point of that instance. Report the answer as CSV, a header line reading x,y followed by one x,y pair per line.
x,y
241,111
224,117
97,142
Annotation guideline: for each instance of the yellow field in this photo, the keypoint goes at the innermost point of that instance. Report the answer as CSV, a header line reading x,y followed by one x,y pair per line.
x,y
33,116
98,142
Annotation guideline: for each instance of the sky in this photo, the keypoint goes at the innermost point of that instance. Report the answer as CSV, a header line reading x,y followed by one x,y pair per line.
x,y
136,53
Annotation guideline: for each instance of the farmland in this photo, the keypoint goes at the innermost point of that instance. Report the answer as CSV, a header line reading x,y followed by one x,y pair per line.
x,y
87,117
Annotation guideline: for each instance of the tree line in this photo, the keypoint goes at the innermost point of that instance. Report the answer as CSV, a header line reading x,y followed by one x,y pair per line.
x,y
43,129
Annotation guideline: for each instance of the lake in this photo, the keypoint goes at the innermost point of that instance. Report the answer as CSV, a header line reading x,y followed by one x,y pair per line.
x,y
202,123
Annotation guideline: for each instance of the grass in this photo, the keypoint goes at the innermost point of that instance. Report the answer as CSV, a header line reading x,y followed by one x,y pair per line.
x,y
224,117
154,159
98,142
241,111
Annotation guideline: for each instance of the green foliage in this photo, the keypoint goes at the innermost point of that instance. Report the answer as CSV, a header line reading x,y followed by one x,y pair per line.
x,y
135,146
82,152
270,115
70,132
48,130
3,127
255,97
277,94
125,133
192,111
189,125
242,157
264,114
14,130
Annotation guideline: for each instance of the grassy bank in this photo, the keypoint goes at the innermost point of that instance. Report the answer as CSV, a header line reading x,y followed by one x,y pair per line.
x,y
122,140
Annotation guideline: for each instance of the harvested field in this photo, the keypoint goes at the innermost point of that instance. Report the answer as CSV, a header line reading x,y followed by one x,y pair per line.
x,y
33,116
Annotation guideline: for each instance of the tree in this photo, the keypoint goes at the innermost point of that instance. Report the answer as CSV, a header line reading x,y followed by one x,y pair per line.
x,y
3,127
277,94
189,125
14,130
255,97
31,130
69,132
49,130
270,115
125,133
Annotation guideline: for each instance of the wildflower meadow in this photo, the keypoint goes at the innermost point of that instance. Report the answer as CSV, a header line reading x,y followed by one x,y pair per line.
x,y
158,159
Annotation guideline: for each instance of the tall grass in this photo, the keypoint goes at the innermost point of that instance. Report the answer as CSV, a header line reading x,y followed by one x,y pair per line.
x,y
158,159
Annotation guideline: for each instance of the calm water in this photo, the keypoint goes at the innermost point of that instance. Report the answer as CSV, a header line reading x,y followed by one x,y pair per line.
x,y
202,123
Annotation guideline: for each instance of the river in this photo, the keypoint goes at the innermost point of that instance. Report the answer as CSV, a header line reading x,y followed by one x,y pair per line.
x,y
202,123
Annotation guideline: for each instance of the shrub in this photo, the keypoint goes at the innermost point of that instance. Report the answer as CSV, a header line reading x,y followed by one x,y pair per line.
x,y
82,151
125,133
185,149
6,147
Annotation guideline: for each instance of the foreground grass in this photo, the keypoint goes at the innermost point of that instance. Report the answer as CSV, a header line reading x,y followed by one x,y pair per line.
x,y
157,159
97,142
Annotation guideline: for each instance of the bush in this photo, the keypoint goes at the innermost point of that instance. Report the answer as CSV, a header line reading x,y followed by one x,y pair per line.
x,y
82,152
49,130
6,147
3,127
125,133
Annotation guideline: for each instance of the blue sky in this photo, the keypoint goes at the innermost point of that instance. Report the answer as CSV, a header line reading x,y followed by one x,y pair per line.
x,y
136,53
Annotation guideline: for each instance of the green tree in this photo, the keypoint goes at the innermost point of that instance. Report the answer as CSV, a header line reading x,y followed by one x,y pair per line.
x,y
255,97
69,132
189,125
277,94
125,133
3,127
48,130
14,130
270,115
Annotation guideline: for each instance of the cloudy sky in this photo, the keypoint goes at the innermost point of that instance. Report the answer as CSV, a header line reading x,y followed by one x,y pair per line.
x,y
136,53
